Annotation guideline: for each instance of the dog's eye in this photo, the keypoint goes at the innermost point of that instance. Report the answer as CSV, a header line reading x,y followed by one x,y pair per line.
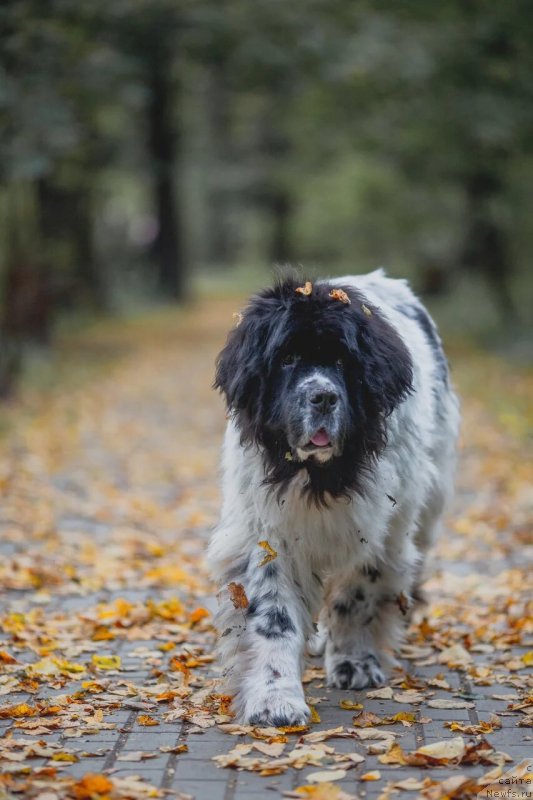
x,y
288,360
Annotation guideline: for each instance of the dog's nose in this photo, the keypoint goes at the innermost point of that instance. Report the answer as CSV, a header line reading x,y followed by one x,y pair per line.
x,y
324,399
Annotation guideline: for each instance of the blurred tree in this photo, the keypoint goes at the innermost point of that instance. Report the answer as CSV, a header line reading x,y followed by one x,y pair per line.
x,y
444,95
148,32
397,131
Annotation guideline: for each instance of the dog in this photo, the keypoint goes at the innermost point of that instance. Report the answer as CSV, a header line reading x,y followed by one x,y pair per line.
x,y
337,465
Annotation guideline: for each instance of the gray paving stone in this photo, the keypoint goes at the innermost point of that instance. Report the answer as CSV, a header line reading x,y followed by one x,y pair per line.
x,y
201,790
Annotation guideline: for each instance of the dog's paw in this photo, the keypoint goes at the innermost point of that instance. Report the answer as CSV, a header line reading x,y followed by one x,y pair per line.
x,y
355,673
316,644
277,708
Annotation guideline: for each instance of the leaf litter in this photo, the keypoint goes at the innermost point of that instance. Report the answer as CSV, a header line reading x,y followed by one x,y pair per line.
x,y
100,510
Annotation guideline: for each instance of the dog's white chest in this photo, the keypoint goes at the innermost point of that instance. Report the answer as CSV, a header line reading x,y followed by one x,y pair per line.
x,y
323,540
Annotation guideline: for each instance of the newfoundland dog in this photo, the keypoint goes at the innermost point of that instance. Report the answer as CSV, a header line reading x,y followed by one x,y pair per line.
x,y
337,464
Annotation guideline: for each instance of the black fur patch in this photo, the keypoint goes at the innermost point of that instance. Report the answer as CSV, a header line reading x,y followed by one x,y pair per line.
x,y
276,623
259,600
377,375
417,312
342,609
371,573
344,673
270,570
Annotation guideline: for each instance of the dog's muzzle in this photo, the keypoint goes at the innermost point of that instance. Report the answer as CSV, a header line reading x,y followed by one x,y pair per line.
x,y
319,403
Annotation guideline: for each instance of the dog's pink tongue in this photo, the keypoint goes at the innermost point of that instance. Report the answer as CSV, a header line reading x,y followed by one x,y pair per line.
x,y
321,439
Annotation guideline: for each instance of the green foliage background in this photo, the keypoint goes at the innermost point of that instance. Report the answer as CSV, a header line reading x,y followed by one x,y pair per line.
x,y
152,148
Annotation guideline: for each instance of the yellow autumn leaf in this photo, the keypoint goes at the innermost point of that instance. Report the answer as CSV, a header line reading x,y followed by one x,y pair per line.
x,y
66,667
340,294
306,290
91,787
374,775
69,757
527,658
146,720
7,658
350,705
405,717
315,716
171,609
166,646
106,662
271,554
198,614
102,633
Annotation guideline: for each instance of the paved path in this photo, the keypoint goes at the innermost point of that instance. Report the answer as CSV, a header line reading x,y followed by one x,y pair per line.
x,y
109,485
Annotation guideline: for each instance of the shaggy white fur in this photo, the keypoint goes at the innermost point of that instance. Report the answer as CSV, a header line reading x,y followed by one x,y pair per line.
x,y
356,564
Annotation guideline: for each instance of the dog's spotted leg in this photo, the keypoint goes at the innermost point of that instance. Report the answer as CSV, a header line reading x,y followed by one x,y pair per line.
x,y
266,665
363,615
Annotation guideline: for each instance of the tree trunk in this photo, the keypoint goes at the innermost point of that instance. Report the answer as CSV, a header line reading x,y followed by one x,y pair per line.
x,y
163,143
485,247
219,233
65,217
276,150
88,271
279,205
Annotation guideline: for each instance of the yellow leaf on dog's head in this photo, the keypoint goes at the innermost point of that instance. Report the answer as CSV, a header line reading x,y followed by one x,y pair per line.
x,y
340,294
305,290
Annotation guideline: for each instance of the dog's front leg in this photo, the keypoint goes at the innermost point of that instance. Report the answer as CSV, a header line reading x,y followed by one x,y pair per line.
x,y
263,647
365,613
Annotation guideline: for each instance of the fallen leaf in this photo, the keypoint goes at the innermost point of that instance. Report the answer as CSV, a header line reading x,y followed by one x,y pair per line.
x,y
455,657
327,775
146,720
451,750
409,785
271,554
238,595
451,704
380,694
91,786
106,662
350,705
6,658
374,775
366,719
306,290
198,614
322,736
482,727
411,696
340,294
321,791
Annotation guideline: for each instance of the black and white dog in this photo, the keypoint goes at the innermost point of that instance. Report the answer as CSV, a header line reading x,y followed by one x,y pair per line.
x,y
340,453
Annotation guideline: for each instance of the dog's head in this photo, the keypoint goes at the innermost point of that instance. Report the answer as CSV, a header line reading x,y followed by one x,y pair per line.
x,y
310,378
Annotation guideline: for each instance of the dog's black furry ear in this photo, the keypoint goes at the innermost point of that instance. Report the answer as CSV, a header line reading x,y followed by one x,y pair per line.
x,y
241,367
386,363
